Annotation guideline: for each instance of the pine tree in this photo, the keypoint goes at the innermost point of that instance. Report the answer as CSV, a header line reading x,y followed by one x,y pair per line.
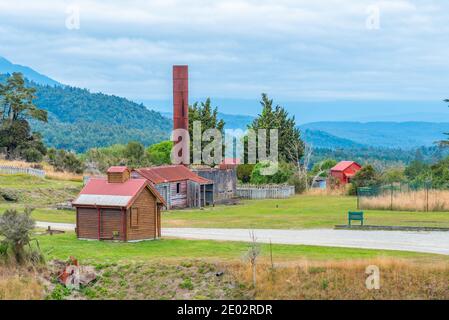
x,y
291,147
16,109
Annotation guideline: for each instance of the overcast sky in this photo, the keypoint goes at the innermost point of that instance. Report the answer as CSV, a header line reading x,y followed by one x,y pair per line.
x,y
296,50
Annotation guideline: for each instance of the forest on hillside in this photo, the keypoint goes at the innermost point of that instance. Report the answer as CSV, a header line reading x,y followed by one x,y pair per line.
x,y
79,120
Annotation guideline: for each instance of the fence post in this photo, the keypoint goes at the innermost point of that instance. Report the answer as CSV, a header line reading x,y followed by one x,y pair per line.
x,y
391,197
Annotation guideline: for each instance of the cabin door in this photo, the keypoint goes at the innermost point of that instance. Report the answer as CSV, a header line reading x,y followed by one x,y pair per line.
x,y
111,224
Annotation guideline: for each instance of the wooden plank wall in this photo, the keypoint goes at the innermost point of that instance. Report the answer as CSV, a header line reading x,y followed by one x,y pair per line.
x,y
147,220
118,177
111,221
178,200
87,223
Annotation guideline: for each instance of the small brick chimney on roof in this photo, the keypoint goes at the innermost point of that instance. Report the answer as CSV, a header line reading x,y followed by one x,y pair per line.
x,y
118,174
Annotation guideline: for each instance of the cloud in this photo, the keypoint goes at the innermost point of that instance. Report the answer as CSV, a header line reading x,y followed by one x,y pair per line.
x,y
295,50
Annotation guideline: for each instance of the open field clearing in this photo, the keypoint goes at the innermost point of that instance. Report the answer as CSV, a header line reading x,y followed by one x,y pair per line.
x,y
298,212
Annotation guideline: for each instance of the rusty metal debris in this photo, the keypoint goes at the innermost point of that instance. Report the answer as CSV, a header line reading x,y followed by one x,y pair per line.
x,y
72,275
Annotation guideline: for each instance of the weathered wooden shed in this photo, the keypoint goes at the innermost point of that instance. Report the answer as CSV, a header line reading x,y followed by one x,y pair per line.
x,y
344,171
224,179
178,185
118,208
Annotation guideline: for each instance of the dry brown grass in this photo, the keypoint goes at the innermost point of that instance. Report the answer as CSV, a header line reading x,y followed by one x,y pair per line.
x,y
341,191
438,200
346,280
49,170
19,285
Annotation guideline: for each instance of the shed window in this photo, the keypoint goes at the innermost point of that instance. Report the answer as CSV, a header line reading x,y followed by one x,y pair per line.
x,y
134,217
178,187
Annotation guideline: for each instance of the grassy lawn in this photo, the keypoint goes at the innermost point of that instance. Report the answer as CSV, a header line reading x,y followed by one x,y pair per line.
x,y
40,194
21,181
66,245
44,214
296,213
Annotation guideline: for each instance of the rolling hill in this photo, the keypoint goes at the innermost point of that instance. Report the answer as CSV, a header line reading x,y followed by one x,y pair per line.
x,y
7,67
405,135
79,119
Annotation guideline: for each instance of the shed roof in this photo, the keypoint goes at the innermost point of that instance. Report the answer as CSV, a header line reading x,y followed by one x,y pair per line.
x,y
170,173
99,192
343,165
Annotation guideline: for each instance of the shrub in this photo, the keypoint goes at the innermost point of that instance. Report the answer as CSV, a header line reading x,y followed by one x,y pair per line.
x,y
63,160
244,172
9,195
16,229
282,175
159,153
186,284
366,177
298,182
32,155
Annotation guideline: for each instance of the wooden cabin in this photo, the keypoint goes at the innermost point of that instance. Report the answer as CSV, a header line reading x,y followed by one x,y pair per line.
x,y
344,171
178,185
118,208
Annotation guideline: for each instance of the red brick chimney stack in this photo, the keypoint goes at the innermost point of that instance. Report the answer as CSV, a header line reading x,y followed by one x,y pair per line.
x,y
180,97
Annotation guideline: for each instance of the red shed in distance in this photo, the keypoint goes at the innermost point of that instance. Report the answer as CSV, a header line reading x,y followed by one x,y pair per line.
x,y
345,170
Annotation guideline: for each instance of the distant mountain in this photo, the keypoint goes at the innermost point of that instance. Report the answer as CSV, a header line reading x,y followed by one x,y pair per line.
x,y
321,139
7,67
232,121
79,119
406,135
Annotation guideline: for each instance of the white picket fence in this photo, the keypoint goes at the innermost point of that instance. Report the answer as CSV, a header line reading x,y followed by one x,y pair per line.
x,y
265,192
18,170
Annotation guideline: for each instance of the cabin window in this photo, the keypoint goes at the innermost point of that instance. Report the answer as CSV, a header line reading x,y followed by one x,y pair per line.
x,y
134,217
178,187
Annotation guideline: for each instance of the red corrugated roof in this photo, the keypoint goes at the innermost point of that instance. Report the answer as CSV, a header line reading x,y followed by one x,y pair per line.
x,y
131,188
117,169
172,173
343,165
231,161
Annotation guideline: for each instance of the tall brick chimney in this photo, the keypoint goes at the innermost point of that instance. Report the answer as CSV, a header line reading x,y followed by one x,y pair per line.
x,y
181,105
180,97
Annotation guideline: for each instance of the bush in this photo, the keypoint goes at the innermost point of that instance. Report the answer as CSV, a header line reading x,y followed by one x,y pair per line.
x,y
9,195
32,155
298,182
63,160
159,153
244,172
16,229
366,177
284,172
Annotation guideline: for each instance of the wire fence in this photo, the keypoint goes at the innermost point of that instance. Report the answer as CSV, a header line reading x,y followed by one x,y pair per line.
x,y
403,197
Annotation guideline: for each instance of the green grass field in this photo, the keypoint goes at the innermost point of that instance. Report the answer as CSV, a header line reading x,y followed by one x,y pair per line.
x,y
296,213
65,245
